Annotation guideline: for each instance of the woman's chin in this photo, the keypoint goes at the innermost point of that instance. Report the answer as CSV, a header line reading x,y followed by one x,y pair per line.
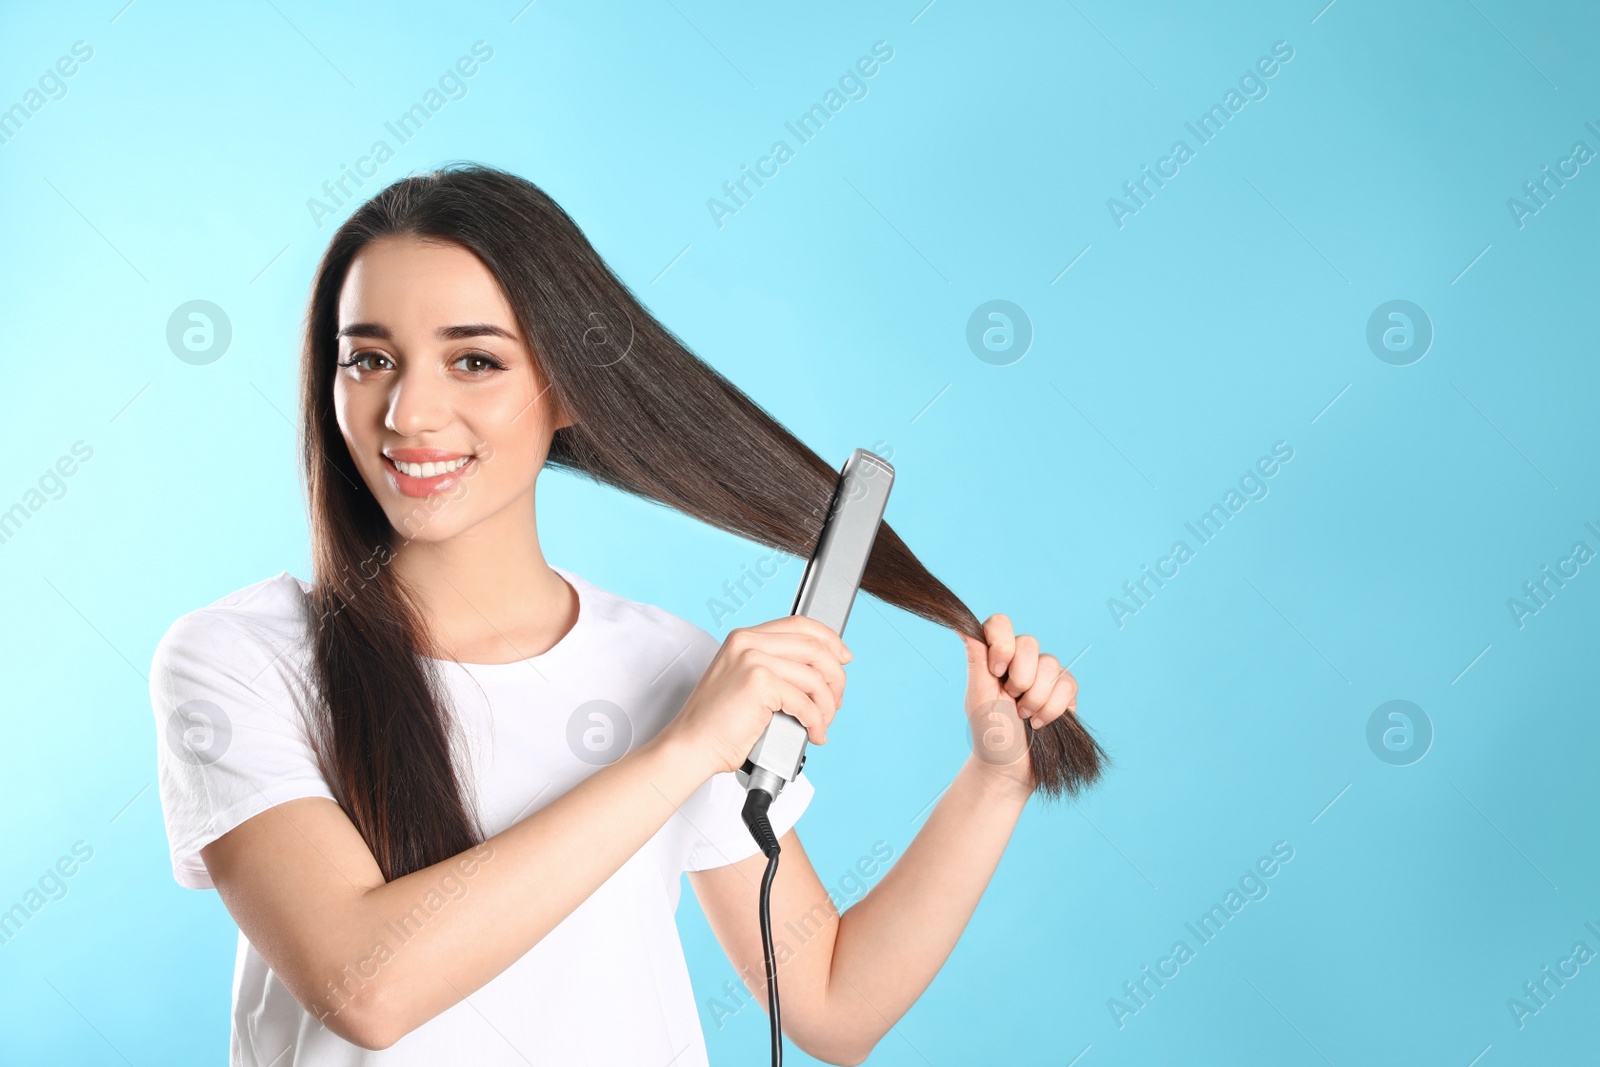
x,y
423,523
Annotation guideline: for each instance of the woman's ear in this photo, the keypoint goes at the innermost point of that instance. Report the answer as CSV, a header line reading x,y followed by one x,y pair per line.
x,y
546,397
562,419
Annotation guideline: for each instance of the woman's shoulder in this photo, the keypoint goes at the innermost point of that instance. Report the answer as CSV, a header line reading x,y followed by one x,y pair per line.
x,y
637,618
261,622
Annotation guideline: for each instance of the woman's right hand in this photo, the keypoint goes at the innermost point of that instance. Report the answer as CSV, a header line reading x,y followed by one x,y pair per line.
x,y
794,664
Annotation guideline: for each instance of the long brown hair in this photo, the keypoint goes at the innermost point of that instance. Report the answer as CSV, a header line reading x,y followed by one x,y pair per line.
x,y
651,418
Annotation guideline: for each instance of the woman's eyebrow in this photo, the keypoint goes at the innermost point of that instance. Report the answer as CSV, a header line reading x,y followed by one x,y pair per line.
x,y
445,333
473,329
365,329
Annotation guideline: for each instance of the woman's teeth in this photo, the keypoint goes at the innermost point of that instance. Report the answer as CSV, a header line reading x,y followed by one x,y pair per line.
x,y
430,470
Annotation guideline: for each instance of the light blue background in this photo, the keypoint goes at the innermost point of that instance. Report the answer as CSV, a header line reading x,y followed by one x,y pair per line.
x,y
1229,314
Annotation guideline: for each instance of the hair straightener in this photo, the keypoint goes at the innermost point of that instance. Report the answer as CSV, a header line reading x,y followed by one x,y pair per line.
x,y
827,590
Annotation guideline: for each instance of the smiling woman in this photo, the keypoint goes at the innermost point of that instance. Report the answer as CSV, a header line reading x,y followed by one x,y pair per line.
x,y
442,717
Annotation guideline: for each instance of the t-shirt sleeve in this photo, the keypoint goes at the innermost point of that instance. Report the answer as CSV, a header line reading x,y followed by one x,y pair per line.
x,y
717,832
229,737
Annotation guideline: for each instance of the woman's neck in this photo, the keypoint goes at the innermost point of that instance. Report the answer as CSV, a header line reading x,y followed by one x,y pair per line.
x,y
488,594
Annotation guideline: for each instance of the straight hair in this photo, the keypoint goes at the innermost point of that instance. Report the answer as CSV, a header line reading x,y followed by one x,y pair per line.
x,y
650,418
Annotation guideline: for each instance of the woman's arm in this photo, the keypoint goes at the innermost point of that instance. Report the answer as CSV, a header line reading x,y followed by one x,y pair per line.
x,y
894,940
852,976
856,974
374,960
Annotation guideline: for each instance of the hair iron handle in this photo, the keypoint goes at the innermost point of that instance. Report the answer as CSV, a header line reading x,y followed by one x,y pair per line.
x,y
827,591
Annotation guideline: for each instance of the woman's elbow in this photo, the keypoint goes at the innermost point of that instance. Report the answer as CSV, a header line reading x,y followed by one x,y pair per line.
x,y
369,1030
839,1057
369,1035
837,1050
826,1029
362,1016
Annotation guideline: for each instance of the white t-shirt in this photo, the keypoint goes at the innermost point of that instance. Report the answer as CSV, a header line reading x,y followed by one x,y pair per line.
x,y
230,685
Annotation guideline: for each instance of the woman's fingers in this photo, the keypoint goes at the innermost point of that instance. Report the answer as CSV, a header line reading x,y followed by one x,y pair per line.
x,y
801,647
803,691
1063,698
1002,643
813,716
796,666
1042,688
1024,666
1052,694
1034,679
1036,684
802,704
802,624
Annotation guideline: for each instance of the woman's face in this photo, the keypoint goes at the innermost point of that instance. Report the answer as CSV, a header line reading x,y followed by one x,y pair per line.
x,y
437,395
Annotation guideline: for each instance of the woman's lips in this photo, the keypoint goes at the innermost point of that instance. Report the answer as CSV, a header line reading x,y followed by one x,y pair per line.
x,y
409,485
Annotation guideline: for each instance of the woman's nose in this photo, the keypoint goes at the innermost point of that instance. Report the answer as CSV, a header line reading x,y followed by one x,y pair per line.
x,y
417,403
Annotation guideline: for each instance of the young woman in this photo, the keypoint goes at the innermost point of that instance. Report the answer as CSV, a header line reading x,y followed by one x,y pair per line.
x,y
447,789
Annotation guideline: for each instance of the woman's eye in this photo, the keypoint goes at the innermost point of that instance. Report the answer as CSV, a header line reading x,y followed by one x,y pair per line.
x,y
360,360
477,363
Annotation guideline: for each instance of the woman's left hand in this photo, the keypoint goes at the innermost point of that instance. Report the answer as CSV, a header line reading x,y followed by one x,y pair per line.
x,y
1038,690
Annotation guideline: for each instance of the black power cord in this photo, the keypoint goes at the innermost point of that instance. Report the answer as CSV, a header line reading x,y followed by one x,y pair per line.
x,y
756,803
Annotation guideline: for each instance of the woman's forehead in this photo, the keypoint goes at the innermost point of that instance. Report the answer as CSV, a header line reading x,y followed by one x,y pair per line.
x,y
412,285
